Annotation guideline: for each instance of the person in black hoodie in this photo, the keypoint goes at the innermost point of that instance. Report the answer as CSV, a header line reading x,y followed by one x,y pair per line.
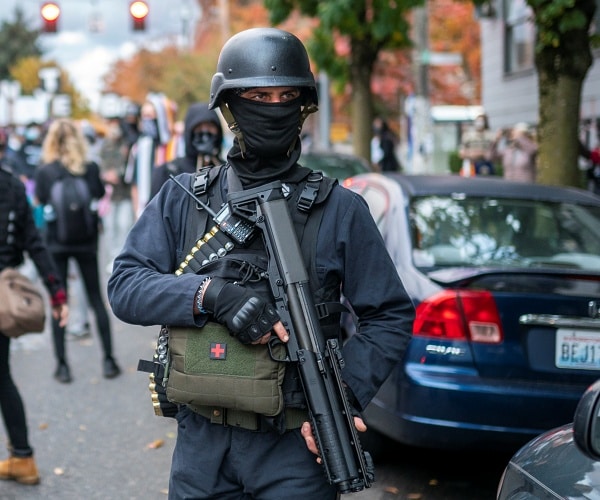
x,y
203,137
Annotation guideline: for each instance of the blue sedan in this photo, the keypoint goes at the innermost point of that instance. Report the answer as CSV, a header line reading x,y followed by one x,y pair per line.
x,y
506,281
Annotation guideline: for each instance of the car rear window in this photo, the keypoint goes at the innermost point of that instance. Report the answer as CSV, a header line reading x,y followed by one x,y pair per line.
x,y
467,231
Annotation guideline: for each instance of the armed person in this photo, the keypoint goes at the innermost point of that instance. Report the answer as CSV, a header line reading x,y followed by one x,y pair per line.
x,y
246,427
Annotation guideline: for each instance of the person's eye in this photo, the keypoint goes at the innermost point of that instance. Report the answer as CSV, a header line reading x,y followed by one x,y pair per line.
x,y
253,96
290,96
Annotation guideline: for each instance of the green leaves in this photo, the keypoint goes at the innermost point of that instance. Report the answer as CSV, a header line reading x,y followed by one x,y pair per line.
x,y
557,19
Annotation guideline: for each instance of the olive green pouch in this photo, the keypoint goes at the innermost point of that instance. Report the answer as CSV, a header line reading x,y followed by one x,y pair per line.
x,y
209,367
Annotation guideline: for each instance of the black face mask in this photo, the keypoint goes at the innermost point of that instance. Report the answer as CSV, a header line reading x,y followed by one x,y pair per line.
x,y
205,143
149,128
269,130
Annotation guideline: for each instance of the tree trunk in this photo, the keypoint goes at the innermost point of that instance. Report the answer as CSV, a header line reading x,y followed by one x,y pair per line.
x,y
557,161
562,63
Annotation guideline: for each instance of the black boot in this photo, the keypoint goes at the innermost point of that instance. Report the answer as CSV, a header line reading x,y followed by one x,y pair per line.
x,y
62,373
111,370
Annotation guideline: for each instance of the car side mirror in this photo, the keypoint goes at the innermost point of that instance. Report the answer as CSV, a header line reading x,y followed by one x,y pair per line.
x,y
586,422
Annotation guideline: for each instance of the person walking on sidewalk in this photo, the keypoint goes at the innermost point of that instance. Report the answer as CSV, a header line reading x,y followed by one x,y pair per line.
x,y
64,158
18,234
113,161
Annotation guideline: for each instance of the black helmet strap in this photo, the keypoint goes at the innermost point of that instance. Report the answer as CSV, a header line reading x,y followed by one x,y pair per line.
x,y
233,126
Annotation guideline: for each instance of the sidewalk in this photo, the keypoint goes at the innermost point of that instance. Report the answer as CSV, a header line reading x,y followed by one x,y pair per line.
x,y
94,438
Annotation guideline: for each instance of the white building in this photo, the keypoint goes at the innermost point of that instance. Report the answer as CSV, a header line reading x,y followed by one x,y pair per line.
x,y
509,80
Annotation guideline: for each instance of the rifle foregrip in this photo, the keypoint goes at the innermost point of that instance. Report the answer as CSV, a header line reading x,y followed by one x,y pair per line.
x,y
328,427
332,453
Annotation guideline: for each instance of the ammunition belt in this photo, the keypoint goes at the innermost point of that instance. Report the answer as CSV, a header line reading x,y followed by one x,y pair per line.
x,y
210,247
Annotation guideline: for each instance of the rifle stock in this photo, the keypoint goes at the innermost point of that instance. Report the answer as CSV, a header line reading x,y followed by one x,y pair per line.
x,y
319,360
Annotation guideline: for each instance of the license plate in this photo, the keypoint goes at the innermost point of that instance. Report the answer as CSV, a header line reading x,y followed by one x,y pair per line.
x,y
577,349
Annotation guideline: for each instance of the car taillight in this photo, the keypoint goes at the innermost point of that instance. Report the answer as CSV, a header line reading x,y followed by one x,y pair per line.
x,y
459,315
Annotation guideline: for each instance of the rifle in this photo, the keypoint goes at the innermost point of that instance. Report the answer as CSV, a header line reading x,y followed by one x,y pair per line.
x,y
319,360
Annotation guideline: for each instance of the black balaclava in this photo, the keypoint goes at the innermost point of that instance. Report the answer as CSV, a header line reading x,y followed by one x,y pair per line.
x,y
206,143
270,132
149,128
198,145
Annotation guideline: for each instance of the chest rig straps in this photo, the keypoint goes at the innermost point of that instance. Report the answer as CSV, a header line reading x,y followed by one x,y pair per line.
x,y
214,243
211,246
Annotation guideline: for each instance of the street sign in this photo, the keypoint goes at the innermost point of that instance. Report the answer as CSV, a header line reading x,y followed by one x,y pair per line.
x,y
441,58
61,105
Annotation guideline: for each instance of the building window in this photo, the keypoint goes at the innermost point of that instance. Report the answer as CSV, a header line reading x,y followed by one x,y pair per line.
x,y
595,28
519,37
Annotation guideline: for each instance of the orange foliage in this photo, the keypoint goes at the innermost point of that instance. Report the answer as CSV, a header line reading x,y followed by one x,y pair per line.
x,y
139,75
453,28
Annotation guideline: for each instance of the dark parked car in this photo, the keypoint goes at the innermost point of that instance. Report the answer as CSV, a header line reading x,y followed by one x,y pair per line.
x,y
505,278
563,463
337,165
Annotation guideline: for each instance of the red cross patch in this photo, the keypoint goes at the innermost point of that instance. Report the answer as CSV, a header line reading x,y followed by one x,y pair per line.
x,y
218,350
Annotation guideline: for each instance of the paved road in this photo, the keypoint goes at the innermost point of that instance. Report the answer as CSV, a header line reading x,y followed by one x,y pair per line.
x,y
92,438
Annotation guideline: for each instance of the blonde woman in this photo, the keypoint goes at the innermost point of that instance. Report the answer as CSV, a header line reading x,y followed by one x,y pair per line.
x,y
64,161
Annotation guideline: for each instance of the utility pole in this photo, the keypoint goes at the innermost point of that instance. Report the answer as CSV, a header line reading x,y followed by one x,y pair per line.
x,y
224,20
418,107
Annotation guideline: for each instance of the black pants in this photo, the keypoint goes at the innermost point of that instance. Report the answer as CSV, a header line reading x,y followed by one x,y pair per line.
x,y
211,461
88,267
11,404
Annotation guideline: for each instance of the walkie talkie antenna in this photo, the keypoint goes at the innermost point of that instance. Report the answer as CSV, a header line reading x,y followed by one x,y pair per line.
x,y
236,227
196,199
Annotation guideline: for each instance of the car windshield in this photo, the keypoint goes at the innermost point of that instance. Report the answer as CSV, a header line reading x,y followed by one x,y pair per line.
x,y
467,231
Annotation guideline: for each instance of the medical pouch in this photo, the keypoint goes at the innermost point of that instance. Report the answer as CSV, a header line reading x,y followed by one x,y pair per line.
x,y
210,368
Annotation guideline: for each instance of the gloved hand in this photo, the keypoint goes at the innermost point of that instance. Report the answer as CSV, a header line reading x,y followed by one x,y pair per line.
x,y
247,316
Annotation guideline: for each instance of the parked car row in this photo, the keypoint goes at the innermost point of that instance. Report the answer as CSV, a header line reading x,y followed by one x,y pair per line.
x,y
505,278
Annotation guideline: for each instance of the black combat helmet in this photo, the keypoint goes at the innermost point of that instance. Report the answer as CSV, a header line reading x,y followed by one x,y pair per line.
x,y
262,57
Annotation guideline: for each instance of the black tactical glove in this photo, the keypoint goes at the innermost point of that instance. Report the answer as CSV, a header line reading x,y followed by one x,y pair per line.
x,y
247,316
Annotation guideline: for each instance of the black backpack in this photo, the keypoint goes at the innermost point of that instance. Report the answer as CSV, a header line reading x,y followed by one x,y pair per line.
x,y
74,208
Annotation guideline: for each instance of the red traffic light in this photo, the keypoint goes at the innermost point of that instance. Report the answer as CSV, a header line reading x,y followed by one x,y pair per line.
x,y
139,11
50,12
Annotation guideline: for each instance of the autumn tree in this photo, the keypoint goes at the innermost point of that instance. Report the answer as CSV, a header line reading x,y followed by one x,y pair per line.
x,y
453,29
184,77
365,28
17,42
26,72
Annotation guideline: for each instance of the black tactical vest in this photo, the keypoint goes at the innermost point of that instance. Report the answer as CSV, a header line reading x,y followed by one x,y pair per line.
x,y
306,203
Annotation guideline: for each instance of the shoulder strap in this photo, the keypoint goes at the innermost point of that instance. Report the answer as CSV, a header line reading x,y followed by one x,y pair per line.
x,y
197,218
307,217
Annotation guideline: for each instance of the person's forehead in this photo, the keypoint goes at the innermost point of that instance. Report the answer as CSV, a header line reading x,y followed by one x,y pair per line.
x,y
148,109
205,126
